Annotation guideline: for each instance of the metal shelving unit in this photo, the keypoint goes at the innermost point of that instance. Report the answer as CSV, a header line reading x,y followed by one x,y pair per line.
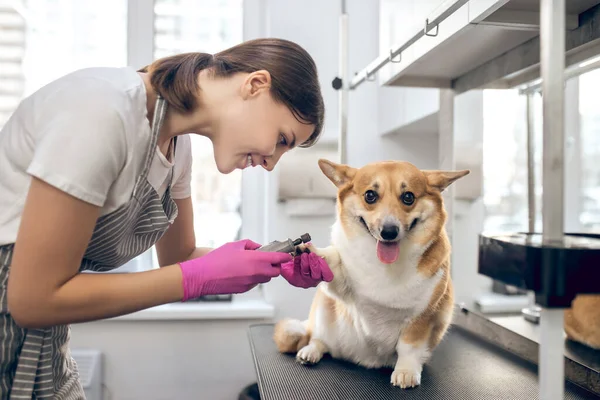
x,y
501,44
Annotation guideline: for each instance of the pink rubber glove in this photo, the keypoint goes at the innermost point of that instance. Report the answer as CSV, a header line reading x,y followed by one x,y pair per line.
x,y
232,268
306,270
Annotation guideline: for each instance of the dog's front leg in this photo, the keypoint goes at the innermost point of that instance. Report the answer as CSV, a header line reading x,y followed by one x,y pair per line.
x,y
407,372
340,286
413,350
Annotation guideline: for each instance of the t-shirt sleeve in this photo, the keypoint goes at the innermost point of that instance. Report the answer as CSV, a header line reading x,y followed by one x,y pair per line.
x,y
181,188
80,145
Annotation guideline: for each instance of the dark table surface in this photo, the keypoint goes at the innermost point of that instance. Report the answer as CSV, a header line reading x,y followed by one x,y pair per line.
x,y
462,367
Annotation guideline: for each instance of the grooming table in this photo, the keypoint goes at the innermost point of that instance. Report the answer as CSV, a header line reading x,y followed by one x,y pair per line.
x,y
463,367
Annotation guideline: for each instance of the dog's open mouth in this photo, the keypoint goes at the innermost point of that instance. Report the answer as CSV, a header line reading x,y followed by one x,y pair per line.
x,y
387,251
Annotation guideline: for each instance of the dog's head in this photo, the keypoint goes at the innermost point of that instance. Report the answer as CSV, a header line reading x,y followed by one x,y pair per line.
x,y
390,202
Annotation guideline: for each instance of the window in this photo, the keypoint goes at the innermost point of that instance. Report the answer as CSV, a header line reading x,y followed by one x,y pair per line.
x,y
206,26
589,114
505,160
42,40
52,38
12,49
505,157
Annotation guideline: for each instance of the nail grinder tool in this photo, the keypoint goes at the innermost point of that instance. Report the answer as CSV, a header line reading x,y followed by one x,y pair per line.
x,y
285,246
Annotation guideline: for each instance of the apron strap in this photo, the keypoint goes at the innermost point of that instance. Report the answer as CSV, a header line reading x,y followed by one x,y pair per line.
x,y
28,365
173,167
160,109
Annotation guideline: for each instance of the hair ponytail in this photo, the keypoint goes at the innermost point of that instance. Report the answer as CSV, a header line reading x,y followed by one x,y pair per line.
x,y
175,78
295,81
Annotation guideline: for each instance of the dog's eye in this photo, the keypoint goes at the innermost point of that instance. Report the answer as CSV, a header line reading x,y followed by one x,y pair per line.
x,y
408,198
370,196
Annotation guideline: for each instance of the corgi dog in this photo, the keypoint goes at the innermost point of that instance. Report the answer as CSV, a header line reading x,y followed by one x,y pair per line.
x,y
582,320
391,299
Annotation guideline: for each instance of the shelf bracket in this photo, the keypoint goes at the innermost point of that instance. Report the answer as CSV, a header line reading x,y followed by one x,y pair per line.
x,y
427,30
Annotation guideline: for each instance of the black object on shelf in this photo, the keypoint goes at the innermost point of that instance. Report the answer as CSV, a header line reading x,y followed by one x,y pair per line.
x,y
212,297
506,290
556,273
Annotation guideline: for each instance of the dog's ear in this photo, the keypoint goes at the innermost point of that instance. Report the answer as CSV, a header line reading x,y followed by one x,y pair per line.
x,y
339,174
440,180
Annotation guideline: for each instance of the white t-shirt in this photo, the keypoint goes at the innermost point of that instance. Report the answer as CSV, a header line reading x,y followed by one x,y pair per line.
x,y
87,134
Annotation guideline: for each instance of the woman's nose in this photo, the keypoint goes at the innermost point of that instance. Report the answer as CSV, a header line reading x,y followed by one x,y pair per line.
x,y
270,162
268,165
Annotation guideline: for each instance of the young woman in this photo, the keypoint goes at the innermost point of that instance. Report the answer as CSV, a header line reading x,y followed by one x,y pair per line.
x,y
95,169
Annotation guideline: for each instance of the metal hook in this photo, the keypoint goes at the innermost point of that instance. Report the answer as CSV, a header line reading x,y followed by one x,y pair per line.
x,y
392,57
426,32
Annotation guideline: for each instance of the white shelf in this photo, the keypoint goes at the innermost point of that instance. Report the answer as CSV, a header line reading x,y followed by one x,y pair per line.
x,y
472,36
424,126
238,308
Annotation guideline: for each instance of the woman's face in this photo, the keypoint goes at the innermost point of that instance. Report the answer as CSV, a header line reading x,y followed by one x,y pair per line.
x,y
254,127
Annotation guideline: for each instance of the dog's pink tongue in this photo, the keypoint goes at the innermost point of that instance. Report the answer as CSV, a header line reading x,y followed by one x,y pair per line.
x,y
387,252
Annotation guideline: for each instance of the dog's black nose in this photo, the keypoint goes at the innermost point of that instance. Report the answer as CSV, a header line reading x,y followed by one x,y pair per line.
x,y
389,232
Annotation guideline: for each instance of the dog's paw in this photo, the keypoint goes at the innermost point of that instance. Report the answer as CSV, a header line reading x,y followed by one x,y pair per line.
x,y
406,378
305,248
309,355
328,253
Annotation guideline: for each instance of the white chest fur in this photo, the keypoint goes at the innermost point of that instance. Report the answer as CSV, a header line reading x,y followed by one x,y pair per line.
x,y
384,299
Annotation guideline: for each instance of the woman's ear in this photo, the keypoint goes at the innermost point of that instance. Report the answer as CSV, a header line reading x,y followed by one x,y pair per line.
x,y
255,83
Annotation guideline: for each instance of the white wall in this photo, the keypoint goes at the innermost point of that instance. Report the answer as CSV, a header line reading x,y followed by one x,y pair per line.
x,y
166,360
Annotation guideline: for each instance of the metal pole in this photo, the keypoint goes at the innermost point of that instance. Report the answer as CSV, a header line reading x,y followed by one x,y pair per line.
x,y
531,209
532,312
552,57
343,91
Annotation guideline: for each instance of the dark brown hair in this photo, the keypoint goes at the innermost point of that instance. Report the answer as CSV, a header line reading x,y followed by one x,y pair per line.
x,y
294,78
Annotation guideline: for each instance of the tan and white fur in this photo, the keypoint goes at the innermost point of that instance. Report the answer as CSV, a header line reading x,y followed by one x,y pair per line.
x,y
391,299
582,320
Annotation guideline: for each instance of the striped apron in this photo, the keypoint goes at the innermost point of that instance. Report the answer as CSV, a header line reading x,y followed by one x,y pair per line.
x,y
36,363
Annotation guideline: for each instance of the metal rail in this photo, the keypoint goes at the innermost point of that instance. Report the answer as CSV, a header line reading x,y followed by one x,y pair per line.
x,y
572,72
445,10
